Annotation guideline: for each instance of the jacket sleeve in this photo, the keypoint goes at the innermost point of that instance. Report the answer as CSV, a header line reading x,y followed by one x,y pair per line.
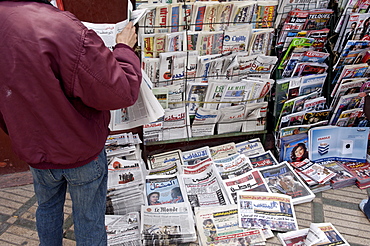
x,y
103,79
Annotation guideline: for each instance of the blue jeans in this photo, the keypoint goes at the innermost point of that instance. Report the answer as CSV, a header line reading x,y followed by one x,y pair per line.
x,y
367,209
87,186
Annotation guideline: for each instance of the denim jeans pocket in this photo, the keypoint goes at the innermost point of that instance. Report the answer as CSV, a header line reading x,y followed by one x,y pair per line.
x,y
89,172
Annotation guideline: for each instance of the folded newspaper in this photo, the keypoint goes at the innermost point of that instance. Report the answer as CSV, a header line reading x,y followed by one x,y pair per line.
x,y
266,210
219,226
167,224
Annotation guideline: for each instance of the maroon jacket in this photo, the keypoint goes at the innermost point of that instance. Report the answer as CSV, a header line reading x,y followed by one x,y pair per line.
x,y
58,82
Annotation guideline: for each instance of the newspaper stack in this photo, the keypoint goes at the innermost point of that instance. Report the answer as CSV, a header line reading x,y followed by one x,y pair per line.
x,y
342,178
125,186
167,224
317,234
123,229
125,145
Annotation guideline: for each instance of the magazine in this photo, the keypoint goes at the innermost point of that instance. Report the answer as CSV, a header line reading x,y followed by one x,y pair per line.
x,y
317,172
266,210
360,170
219,225
294,148
338,143
282,179
342,178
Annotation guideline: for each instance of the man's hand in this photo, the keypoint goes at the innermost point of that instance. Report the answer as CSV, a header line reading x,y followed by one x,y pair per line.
x,y
127,35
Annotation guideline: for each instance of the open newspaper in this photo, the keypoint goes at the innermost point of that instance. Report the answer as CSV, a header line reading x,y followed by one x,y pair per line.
x,y
321,234
167,224
123,230
219,226
266,210
145,110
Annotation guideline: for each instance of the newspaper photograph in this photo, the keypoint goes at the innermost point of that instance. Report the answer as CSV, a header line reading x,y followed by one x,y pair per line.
x,y
266,210
219,226
205,189
167,224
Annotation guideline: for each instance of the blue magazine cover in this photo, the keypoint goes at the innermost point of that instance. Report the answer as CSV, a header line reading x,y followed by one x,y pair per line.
x,y
338,143
296,150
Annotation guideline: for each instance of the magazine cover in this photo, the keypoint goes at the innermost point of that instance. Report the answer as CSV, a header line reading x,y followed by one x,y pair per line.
x,y
266,210
282,179
338,143
295,148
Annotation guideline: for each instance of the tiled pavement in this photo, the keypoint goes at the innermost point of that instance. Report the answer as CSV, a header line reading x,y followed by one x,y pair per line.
x,y
340,207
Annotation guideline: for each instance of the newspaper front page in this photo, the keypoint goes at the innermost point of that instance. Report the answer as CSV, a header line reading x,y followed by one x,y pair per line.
x,y
123,230
249,181
205,189
266,210
167,224
219,226
163,189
